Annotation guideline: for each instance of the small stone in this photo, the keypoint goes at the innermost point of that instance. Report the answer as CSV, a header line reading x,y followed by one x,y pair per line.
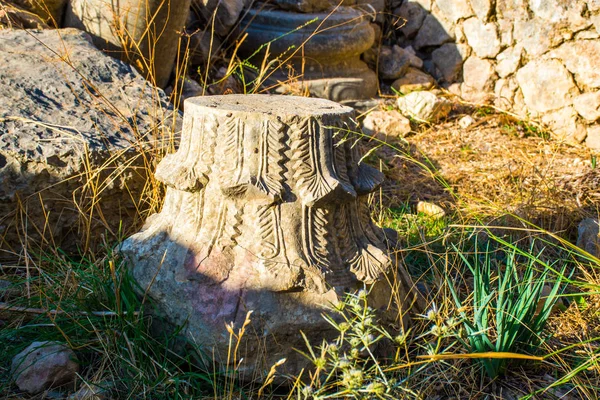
x,y
430,209
414,80
564,126
386,123
424,106
454,10
393,63
508,61
483,38
433,32
449,59
43,365
411,16
546,85
587,236
582,59
588,106
466,121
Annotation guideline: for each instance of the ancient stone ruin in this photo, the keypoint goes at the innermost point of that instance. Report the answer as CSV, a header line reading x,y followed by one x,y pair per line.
x,y
265,210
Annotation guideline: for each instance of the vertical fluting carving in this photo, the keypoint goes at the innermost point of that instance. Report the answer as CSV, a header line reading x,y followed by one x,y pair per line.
x,y
266,209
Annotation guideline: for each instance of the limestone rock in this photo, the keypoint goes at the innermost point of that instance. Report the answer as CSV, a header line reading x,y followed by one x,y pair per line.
x,y
430,209
592,139
412,15
265,210
453,10
386,123
414,60
424,106
482,8
449,59
129,29
508,61
588,238
588,106
414,80
478,75
393,62
65,127
505,27
563,124
512,9
546,85
582,59
433,32
593,5
505,90
555,11
466,121
537,36
43,365
483,38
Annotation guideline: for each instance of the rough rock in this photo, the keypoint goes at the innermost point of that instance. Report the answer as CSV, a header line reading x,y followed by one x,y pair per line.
x,y
453,10
478,75
537,36
592,139
546,85
382,124
240,233
482,8
414,60
414,80
144,33
512,9
426,4
186,88
13,16
51,11
412,15
430,209
393,62
582,59
433,32
556,11
43,365
449,59
466,121
563,124
593,5
65,128
588,239
508,61
226,13
483,38
588,106
505,90
505,27
424,106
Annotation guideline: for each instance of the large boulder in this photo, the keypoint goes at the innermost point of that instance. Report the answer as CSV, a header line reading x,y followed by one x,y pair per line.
x,y
74,126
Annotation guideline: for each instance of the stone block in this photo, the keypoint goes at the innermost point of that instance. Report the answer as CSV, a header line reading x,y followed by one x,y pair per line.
x,y
564,126
588,106
581,58
482,8
384,124
434,32
412,15
452,10
414,80
482,37
424,106
508,61
449,59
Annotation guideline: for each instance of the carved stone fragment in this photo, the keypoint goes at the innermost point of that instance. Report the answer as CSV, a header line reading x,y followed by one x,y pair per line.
x,y
265,210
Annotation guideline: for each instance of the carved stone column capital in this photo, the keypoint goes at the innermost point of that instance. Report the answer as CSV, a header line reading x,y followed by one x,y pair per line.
x,y
265,210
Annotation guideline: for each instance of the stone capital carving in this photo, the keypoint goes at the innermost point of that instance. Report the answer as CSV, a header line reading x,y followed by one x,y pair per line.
x,y
265,210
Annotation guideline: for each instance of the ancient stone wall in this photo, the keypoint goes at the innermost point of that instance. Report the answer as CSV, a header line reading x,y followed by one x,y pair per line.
x,y
536,58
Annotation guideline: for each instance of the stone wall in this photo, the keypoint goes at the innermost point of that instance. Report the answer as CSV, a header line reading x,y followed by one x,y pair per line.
x,y
539,59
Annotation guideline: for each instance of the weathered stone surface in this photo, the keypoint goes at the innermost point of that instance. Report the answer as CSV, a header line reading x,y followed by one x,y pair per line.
x,y
508,61
512,9
51,11
43,365
424,106
13,16
466,121
266,211
546,85
505,27
329,61
555,11
482,8
382,124
505,90
453,10
227,12
564,126
592,139
593,5
412,15
393,62
433,32
478,74
588,236
582,59
128,29
65,127
588,106
449,59
414,80
483,38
